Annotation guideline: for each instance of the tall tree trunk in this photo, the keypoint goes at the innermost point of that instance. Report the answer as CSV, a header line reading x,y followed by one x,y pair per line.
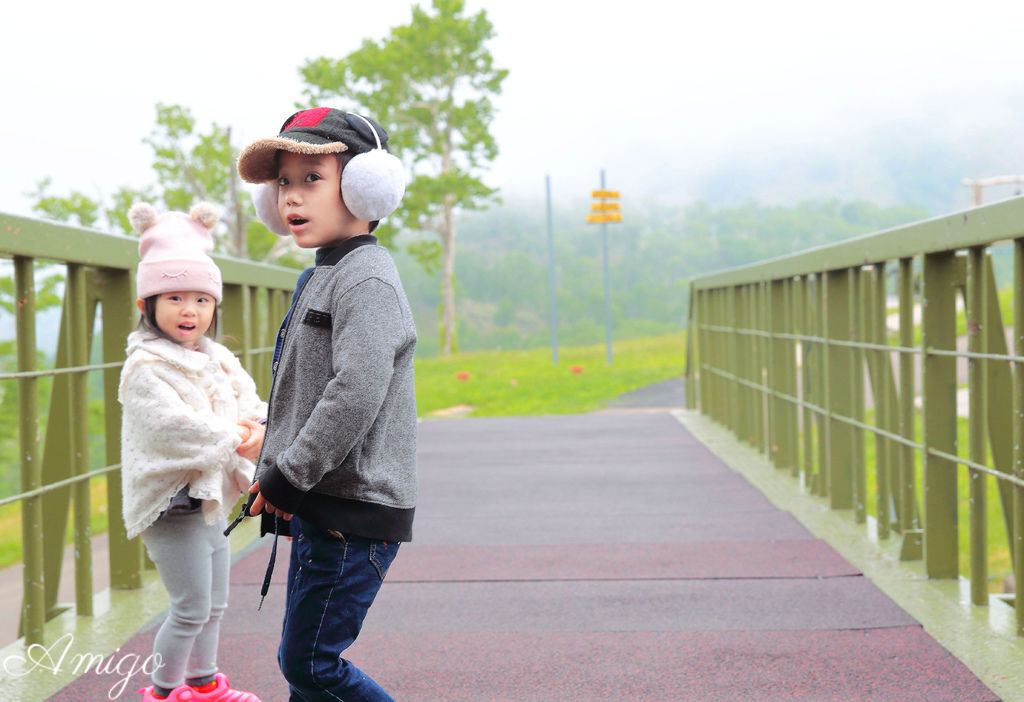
x,y
448,280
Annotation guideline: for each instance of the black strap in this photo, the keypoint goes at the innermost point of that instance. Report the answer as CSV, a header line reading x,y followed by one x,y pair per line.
x,y
242,513
270,567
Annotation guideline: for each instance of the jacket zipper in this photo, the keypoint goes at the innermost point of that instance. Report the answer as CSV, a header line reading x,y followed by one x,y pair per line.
x,y
273,384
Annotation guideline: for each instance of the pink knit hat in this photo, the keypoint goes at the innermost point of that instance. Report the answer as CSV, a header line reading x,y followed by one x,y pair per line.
x,y
174,247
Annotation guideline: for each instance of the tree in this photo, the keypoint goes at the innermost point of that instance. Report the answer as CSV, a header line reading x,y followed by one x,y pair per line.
x,y
190,166
431,83
76,208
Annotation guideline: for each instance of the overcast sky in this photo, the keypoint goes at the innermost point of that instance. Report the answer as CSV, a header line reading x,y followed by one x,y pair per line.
x,y
652,91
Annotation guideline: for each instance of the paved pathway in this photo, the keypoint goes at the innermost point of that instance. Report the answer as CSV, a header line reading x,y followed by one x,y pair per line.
x,y
608,556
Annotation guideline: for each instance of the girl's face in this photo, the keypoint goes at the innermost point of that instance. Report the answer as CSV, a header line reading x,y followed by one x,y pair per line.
x,y
184,316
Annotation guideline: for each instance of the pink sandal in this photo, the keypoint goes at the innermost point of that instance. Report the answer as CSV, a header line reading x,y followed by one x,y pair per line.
x,y
181,692
221,693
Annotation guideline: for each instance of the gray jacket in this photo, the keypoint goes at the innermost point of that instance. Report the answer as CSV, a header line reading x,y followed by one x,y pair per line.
x,y
340,446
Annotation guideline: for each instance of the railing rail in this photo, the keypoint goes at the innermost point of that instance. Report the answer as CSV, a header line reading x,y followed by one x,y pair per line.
x,y
798,355
55,465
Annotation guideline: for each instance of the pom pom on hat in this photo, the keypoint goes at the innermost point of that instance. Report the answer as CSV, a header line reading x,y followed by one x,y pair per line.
x,y
141,215
206,214
174,248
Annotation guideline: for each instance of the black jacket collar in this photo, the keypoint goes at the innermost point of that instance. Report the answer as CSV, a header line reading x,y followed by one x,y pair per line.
x,y
330,255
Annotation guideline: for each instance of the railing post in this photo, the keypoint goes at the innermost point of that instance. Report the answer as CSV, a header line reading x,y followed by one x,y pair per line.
x,y
761,313
857,306
1017,547
821,323
751,369
721,358
691,345
253,329
704,376
79,356
116,296
808,385
792,408
881,394
732,359
715,358
840,403
939,409
56,467
751,372
977,482
743,407
745,315
911,548
234,321
781,453
33,609
892,414
709,382
998,405
801,289
771,374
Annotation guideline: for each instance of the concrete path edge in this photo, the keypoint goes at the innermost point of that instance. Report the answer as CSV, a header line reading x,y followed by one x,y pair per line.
x,y
983,638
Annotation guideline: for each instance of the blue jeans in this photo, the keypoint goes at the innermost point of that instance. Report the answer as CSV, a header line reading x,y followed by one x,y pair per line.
x,y
332,581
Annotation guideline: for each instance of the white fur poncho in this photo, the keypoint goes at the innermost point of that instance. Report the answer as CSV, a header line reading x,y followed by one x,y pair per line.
x,y
180,427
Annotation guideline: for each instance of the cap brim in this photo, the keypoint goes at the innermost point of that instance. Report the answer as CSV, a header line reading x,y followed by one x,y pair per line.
x,y
256,162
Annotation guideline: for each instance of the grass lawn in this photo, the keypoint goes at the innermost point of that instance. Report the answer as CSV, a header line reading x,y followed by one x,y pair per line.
x,y
489,383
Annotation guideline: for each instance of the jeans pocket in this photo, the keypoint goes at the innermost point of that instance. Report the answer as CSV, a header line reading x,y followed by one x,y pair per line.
x,y
382,554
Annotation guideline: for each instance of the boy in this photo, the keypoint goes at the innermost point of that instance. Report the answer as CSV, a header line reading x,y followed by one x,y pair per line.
x,y
339,455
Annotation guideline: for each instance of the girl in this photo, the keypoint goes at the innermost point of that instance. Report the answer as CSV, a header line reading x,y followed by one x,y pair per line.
x,y
192,425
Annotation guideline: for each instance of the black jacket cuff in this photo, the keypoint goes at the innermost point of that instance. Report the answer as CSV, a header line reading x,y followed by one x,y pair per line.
x,y
276,490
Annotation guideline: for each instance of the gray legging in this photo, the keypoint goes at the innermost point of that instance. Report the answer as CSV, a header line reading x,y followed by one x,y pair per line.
x,y
193,559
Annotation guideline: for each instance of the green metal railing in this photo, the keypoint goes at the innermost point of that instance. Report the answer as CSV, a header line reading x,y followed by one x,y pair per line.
x,y
795,356
54,469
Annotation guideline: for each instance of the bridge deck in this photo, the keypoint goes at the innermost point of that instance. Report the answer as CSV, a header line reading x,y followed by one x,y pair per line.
x,y
608,556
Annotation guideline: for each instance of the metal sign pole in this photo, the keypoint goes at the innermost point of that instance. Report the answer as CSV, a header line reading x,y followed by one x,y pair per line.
x,y
604,210
551,277
607,293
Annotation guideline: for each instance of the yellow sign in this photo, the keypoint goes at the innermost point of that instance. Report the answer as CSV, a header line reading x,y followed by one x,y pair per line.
x,y
606,211
601,218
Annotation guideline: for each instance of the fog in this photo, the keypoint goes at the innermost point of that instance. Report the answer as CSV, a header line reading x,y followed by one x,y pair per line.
x,y
726,100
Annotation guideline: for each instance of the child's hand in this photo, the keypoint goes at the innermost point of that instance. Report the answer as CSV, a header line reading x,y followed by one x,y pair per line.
x,y
260,504
252,439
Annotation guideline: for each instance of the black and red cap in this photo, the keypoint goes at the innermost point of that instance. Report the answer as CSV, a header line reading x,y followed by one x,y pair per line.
x,y
319,130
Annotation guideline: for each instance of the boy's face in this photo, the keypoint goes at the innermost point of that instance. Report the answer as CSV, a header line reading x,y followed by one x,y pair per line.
x,y
309,200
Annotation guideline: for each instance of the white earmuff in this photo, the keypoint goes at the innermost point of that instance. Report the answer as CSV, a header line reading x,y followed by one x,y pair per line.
x,y
265,201
373,183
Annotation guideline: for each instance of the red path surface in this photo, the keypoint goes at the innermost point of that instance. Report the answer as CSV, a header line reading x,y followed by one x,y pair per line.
x,y
601,557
